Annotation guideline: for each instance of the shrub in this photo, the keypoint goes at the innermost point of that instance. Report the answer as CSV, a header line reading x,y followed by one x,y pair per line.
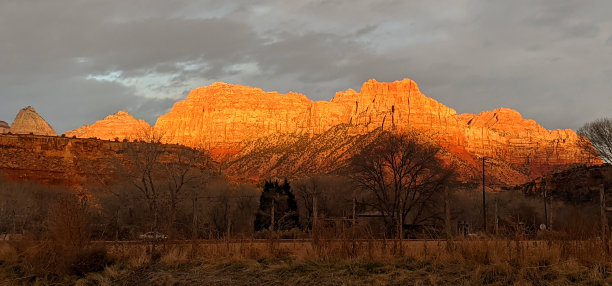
x,y
90,260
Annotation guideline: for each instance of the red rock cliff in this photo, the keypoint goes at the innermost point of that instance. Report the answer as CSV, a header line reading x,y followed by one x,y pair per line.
x,y
226,117
503,133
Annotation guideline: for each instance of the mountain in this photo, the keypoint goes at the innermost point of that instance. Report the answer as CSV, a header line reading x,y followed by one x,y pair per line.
x,y
503,133
4,127
120,125
28,121
225,116
236,122
257,134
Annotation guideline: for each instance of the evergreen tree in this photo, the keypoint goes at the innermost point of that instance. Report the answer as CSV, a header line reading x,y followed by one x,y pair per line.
x,y
285,207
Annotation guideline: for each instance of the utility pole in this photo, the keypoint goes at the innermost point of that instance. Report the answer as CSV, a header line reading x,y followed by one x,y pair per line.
x,y
546,209
401,225
116,225
194,219
272,216
496,218
550,210
604,218
229,225
447,214
401,232
315,213
354,209
484,200
194,223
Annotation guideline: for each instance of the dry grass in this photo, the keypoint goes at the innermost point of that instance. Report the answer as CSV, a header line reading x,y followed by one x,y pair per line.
x,y
337,262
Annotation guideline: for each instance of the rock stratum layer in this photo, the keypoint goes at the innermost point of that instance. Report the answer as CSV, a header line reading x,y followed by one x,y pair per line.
x,y
71,162
28,121
118,126
226,118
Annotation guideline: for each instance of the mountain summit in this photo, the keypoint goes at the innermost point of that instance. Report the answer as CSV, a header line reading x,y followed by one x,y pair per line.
x,y
120,125
28,121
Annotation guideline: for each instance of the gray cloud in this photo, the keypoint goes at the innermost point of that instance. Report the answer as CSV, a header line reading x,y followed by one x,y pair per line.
x,y
548,59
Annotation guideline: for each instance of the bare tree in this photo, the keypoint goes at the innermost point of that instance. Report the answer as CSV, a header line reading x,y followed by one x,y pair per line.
x,y
24,206
229,209
307,192
402,175
599,135
68,223
141,166
164,175
333,195
185,168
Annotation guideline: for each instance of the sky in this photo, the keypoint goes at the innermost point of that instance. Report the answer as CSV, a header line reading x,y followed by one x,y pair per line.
x,y
77,61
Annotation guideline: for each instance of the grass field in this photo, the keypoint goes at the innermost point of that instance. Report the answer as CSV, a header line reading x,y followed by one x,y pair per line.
x,y
333,262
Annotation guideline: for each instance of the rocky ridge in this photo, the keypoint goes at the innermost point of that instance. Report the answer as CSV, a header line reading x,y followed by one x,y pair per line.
x,y
65,161
4,127
226,118
118,126
257,134
28,121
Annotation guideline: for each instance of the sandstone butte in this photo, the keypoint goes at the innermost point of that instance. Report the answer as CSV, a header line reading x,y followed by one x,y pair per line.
x,y
28,121
4,127
119,126
223,117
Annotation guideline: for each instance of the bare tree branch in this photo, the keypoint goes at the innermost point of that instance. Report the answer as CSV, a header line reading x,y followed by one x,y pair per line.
x,y
597,138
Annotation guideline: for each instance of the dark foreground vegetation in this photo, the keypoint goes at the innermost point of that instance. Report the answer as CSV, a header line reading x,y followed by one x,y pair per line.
x,y
324,262
53,237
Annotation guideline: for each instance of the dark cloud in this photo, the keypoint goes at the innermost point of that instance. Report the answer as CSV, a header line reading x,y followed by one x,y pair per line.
x,y
77,61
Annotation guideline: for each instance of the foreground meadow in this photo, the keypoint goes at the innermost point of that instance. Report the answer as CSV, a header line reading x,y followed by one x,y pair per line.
x,y
322,262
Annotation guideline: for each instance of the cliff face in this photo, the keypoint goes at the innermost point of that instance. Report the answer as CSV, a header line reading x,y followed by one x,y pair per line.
x,y
223,116
71,162
54,160
399,106
226,118
28,121
120,125
503,133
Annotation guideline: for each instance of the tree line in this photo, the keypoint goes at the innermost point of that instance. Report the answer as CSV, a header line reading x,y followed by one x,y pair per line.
x,y
395,184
